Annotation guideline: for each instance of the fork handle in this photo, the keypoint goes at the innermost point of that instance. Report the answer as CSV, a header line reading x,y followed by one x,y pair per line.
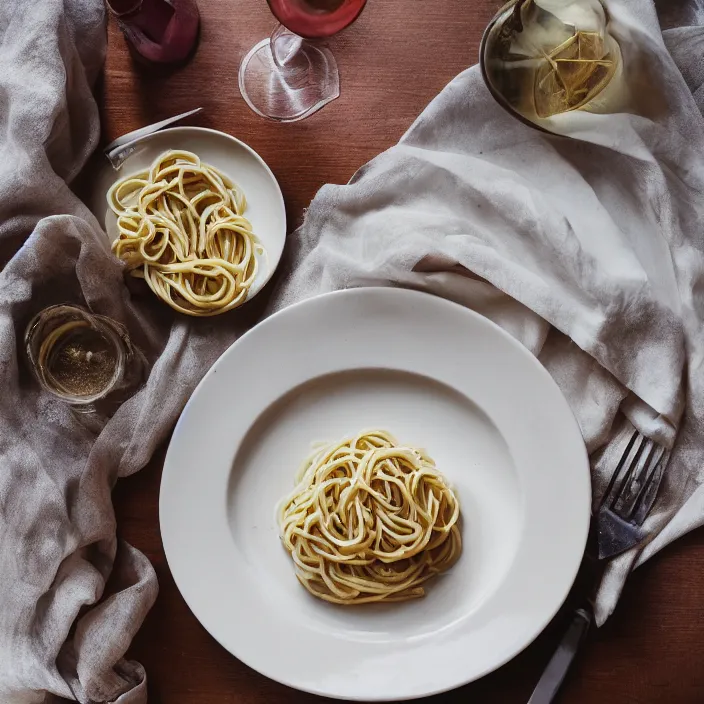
x,y
554,674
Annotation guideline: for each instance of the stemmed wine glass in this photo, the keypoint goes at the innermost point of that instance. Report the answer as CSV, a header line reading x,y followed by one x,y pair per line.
x,y
287,77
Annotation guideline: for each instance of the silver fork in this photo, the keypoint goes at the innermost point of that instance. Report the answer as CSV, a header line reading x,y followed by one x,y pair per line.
x,y
630,496
627,501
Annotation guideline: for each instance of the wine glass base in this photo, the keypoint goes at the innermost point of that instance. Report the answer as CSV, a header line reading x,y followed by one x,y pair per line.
x,y
293,89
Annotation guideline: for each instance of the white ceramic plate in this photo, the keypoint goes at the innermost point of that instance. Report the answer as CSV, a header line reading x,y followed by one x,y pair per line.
x,y
265,203
436,375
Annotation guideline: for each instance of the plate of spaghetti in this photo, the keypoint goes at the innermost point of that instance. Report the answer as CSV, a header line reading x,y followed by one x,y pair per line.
x,y
358,500
197,215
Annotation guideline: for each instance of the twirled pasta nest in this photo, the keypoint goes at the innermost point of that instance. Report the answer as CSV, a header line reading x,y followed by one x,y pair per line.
x,y
369,521
181,229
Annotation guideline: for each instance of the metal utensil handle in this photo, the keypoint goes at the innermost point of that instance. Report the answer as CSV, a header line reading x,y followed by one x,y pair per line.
x,y
145,131
554,674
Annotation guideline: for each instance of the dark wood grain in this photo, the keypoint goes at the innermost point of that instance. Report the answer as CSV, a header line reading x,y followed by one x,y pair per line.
x,y
393,61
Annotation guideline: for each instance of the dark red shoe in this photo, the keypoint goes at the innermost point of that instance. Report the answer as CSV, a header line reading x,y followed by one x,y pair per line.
x,y
160,31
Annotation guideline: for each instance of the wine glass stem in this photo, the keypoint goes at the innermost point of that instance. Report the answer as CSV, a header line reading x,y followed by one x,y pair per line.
x,y
284,46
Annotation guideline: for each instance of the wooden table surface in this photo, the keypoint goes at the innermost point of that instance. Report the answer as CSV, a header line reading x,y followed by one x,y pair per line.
x,y
393,61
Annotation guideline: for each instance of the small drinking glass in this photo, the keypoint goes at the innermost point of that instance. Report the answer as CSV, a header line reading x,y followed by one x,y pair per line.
x,y
83,359
288,77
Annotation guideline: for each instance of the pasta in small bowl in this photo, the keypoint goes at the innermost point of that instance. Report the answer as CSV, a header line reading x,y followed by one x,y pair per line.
x,y
198,216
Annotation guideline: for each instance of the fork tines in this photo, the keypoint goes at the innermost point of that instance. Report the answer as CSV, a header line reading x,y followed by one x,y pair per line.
x,y
634,484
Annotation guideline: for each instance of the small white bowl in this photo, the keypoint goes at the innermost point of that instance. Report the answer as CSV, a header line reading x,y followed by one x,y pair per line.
x,y
265,202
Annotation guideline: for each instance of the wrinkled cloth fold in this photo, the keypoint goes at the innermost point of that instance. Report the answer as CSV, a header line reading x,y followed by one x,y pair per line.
x,y
71,595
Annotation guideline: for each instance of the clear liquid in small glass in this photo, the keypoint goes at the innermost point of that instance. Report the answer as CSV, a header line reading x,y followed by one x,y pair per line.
x,y
83,359
316,18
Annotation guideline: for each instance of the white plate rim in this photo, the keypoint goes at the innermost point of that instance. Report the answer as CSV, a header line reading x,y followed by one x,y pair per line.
x,y
581,514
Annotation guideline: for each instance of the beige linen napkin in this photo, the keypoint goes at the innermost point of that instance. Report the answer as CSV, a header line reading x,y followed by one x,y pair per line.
x,y
62,632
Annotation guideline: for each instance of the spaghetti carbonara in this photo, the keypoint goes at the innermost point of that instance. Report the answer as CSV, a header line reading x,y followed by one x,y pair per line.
x,y
369,520
181,228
